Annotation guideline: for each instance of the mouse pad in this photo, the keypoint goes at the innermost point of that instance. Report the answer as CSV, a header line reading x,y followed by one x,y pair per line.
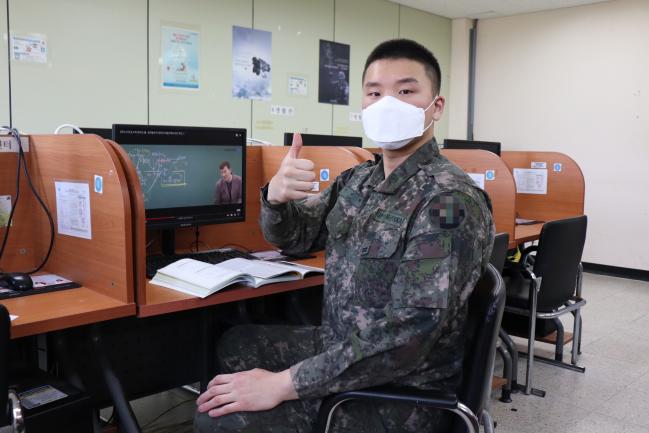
x,y
42,284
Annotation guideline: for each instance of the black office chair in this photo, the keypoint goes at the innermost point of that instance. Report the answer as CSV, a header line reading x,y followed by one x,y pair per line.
x,y
548,288
10,411
483,322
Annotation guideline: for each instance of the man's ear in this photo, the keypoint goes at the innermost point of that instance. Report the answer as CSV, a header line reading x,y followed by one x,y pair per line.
x,y
438,108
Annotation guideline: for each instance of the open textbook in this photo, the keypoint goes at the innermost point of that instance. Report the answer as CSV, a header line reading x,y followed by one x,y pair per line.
x,y
202,279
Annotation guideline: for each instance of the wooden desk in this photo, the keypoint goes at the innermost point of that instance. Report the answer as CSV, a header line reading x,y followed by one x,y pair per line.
x,y
527,232
161,300
102,264
54,311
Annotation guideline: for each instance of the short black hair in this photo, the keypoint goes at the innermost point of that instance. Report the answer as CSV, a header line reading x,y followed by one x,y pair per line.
x,y
225,164
407,49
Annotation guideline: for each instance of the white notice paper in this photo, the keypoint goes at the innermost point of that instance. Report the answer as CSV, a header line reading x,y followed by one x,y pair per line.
x,y
531,180
73,209
12,317
478,178
29,48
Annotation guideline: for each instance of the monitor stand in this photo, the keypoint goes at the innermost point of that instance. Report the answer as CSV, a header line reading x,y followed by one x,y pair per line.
x,y
168,237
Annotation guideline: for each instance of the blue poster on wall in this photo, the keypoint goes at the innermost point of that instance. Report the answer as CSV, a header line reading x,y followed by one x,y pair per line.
x,y
251,63
333,83
180,58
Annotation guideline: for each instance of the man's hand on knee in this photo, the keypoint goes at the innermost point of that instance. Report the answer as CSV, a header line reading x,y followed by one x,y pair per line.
x,y
246,391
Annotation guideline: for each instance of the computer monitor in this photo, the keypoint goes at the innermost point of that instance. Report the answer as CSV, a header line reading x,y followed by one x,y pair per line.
x,y
189,175
324,140
106,133
490,146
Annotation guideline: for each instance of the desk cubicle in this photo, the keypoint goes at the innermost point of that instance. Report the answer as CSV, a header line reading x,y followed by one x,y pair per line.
x,y
564,197
102,264
262,164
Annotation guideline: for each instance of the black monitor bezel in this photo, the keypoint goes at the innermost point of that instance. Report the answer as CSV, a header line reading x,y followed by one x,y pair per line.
x,y
325,140
106,133
489,146
128,134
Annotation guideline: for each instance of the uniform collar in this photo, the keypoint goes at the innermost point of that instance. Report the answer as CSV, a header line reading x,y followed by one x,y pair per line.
x,y
403,172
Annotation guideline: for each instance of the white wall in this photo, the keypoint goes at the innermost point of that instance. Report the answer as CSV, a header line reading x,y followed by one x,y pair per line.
x,y
458,96
577,81
4,67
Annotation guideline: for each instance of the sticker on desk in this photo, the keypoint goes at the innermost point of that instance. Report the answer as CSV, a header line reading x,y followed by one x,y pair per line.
x,y
539,165
73,209
478,179
99,184
557,167
5,209
324,175
531,180
12,317
490,175
39,396
10,144
315,187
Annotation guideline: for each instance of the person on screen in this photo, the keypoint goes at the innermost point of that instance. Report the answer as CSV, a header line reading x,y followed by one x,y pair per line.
x,y
228,188
406,237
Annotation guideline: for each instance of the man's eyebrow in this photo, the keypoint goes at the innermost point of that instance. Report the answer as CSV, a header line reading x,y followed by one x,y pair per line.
x,y
407,80
372,84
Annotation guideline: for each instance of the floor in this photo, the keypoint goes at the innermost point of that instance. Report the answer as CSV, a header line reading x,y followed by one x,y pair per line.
x,y
611,397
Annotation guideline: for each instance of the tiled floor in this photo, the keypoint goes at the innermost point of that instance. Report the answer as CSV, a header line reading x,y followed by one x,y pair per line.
x,y
611,397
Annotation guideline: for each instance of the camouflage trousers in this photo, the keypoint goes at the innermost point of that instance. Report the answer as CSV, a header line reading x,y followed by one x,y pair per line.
x,y
276,348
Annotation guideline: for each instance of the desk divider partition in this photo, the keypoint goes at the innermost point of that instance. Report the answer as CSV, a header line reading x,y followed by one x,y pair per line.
x,y
103,265
565,190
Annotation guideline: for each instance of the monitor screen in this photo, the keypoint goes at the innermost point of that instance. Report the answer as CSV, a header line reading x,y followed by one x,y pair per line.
x,y
489,146
324,140
189,175
106,133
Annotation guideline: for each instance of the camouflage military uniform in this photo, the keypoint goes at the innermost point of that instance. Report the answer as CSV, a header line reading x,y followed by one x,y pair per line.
x,y
402,257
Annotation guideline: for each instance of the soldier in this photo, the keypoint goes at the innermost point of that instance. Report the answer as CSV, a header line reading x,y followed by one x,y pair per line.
x,y
407,238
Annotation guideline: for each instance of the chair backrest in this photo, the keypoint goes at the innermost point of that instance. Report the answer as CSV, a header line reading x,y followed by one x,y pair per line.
x,y
499,251
5,326
557,260
486,306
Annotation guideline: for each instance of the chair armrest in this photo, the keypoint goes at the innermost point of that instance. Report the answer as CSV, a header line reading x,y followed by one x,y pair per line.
x,y
526,253
416,397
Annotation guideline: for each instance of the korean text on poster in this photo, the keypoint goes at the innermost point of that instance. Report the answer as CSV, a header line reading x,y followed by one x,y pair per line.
x,y
251,63
180,58
333,83
29,48
73,209
531,180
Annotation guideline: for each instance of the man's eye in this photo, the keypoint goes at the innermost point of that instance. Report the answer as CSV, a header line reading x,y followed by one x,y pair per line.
x,y
405,92
374,94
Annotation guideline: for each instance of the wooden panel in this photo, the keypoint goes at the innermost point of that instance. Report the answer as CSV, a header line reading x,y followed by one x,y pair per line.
x,y
64,309
565,197
20,252
103,263
361,154
136,197
501,190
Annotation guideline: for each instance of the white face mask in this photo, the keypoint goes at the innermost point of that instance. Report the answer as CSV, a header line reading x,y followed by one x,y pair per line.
x,y
392,123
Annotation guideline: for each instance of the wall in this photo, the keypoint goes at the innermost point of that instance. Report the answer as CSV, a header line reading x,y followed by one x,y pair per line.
x,y
459,89
104,61
577,81
4,68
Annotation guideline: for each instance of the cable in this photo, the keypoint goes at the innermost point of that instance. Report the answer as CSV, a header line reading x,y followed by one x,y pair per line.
x,y
166,412
21,157
68,125
14,204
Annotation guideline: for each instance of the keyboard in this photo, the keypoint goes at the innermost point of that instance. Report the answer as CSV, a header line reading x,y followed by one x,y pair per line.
x,y
157,261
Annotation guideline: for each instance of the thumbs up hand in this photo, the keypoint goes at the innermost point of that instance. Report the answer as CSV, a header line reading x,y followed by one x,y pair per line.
x,y
295,176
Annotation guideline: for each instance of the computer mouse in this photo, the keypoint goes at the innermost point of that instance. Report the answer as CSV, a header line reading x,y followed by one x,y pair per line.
x,y
18,281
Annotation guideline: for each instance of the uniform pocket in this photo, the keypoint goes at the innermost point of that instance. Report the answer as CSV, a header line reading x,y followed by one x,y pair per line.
x,y
422,280
377,266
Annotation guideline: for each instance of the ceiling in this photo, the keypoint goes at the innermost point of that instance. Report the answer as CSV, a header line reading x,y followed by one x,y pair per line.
x,y
489,8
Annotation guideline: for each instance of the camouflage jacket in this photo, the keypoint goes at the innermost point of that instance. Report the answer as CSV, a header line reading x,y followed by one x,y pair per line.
x,y
402,256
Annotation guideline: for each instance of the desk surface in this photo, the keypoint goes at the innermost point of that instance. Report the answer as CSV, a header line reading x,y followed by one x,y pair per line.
x,y
527,233
63,309
161,300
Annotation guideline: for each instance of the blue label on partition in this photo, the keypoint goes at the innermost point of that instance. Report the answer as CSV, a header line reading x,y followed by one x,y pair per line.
x,y
490,174
324,175
99,184
557,167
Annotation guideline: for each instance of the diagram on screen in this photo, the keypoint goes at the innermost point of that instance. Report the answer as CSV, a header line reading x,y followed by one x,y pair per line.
x,y
157,170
